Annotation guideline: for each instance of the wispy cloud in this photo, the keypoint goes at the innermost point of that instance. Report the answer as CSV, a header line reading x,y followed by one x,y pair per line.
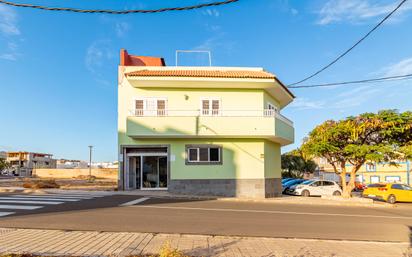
x,y
122,28
355,97
211,12
8,21
98,54
357,11
399,68
306,104
9,32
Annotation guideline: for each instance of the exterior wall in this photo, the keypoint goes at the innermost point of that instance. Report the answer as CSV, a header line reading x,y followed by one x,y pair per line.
x,y
73,173
269,99
242,158
242,188
250,167
381,170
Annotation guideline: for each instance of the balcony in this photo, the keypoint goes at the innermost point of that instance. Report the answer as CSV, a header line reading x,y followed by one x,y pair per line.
x,y
210,123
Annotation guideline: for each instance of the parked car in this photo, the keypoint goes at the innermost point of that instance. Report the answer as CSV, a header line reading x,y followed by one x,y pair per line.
x,y
292,182
284,180
315,188
389,192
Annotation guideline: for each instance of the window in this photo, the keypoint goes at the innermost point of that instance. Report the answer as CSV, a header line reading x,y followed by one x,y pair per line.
x,y
203,154
317,183
271,110
392,178
375,179
397,186
328,183
210,106
370,167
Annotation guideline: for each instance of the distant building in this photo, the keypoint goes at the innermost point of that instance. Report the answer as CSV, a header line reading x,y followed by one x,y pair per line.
x,y
3,155
371,172
71,164
105,165
25,163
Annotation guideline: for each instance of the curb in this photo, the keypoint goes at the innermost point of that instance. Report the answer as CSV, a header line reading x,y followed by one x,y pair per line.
x,y
282,200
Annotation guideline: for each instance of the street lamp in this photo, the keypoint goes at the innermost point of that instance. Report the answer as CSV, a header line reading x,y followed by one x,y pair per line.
x,y
90,162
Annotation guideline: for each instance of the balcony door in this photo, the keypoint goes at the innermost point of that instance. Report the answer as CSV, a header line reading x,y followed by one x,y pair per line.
x,y
210,106
150,106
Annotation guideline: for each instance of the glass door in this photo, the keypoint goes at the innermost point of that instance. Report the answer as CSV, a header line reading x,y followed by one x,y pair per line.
x,y
154,172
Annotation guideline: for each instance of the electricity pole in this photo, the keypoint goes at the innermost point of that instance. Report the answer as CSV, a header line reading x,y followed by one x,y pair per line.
x,y
90,162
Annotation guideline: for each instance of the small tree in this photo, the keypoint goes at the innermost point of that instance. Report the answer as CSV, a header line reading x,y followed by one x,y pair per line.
x,y
3,164
385,136
295,165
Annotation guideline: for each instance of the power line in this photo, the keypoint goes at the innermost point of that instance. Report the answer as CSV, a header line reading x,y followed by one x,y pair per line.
x,y
353,46
184,8
382,79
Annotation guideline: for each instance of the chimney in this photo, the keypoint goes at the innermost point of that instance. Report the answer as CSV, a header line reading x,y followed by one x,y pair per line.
x,y
133,60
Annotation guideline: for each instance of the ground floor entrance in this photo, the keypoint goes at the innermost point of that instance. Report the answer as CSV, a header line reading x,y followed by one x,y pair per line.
x,y
146,168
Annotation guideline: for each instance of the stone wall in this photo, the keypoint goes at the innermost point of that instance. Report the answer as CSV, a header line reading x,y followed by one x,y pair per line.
x,y
243,188
73,173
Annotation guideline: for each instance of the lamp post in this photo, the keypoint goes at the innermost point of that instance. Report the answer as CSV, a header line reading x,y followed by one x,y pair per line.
x,y
90,162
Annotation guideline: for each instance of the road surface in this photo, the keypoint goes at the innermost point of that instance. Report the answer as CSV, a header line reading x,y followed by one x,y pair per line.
x,y
210,217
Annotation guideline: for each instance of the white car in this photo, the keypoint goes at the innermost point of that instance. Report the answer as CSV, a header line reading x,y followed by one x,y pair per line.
x,y
316,188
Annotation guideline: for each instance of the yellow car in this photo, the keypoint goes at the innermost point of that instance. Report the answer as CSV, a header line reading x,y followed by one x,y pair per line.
x,y
389,192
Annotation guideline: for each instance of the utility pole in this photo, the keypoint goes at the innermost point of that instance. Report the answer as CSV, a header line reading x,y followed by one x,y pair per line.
x,y
90,162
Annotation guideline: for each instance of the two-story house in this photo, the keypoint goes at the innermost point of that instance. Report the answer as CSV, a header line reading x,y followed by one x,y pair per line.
x,y
200,130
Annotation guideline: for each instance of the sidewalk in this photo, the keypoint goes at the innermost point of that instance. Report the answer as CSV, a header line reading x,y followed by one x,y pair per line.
x,y
93,243
333,201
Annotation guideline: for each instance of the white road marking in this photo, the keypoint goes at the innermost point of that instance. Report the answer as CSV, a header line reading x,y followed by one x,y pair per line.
x,y
140,200
19,207
30,202
6,213
45,199
272,212
48,196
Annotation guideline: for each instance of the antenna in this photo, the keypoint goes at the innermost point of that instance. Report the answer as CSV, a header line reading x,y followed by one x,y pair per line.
x,y
193,51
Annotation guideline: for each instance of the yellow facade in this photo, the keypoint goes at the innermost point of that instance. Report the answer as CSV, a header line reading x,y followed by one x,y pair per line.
x,y
249,138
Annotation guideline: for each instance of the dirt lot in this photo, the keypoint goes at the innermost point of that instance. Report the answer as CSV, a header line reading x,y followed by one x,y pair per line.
x,y
74,183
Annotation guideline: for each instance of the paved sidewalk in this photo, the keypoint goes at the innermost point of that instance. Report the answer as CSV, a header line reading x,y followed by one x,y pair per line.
x,y
92,243
356,201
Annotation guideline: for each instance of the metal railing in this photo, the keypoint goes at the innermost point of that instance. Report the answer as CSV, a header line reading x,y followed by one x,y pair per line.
x,y
211,113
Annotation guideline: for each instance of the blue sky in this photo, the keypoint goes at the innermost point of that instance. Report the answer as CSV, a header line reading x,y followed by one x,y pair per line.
x,y
59,70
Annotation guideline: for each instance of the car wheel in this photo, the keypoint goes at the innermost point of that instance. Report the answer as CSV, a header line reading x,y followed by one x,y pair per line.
x,y
336,193
391,199
305,193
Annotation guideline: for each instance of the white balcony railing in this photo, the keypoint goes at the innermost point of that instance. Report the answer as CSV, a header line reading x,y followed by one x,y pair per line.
x,y
211,113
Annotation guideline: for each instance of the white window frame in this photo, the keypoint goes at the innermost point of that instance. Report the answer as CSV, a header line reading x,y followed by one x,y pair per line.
x,y
147,112
392,181
370,167
210,99
219,161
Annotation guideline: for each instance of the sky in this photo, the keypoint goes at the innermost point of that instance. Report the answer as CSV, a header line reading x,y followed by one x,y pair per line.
x,y
58,70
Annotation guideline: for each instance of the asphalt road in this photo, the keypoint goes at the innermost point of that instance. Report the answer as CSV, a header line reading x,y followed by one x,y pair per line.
x,y
214,217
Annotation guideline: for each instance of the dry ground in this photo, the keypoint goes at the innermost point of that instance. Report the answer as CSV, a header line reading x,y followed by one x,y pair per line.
x,y
73,183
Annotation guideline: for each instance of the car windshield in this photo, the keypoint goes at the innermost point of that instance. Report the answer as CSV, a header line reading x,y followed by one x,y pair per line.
x,y
308,182
406,187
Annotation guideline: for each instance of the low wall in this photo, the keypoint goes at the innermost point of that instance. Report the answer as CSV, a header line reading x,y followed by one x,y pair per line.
x,y
73,173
